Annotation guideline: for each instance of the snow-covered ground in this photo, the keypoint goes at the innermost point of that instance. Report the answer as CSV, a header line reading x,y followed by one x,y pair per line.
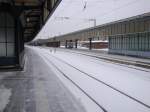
x,y
5,94
80,47
134,83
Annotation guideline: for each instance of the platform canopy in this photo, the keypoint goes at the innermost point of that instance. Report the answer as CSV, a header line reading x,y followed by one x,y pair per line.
x,y
33,14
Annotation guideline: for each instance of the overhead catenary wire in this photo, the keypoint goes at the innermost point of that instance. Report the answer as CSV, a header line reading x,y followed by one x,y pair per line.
x,y
116,9
76,15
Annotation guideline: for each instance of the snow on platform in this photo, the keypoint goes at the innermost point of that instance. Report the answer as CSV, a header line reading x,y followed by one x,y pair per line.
x,y
35,89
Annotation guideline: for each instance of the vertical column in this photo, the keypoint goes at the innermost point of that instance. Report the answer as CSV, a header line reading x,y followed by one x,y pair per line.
x,y
76,43
66,43
70,44
90,43
109,43
58,43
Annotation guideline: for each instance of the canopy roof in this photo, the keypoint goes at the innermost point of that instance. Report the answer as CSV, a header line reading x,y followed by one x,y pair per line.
x,y
33,14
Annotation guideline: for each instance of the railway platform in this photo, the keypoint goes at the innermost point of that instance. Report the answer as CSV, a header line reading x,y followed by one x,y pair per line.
x,y
35,89
121,59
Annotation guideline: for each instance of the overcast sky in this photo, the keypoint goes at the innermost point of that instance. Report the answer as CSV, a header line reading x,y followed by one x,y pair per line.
x,y
78,13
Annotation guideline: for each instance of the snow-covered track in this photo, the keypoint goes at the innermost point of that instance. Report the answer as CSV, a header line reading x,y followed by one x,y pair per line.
x,y
98,80
99,105
138,65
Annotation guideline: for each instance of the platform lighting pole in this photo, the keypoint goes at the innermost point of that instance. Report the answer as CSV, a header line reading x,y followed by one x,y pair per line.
x,y
66,44
90,43
76,43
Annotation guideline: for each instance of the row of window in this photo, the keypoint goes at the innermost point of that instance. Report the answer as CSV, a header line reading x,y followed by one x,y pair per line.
x,y
132,26
132,42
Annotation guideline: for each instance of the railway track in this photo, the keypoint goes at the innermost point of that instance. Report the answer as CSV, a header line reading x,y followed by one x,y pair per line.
x,y
98,80
121,62
65,75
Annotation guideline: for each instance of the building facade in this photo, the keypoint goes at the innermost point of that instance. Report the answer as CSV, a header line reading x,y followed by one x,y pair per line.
x,y
129,36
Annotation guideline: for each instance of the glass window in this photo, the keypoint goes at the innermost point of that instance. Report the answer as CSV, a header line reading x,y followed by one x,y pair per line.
x,y
116,28
149,41
146,25
140,42
141,26
10,35
132,27
132,42
143,42
127,27
10,49
113,29
136,42
2,49
2,19
128,42
146,42
10,21
7,35
136,26
119,28
149,25
2,35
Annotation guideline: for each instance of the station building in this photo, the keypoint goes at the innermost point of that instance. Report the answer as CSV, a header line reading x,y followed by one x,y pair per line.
x,y
130,36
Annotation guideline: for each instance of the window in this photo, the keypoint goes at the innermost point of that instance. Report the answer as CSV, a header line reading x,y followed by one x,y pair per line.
x,y
146,25
148,41
123,28
127,27
141,26
133,42
140,42
113,29
131,26
116,28
136,26
136,42
7,35
119,28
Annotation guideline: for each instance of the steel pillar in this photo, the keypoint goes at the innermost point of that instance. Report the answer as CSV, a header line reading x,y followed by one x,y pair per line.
x,y
90,43
66,43
76,43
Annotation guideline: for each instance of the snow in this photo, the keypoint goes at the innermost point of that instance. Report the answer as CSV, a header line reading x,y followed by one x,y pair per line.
x,y
88,104
133,82
50,93
5,94
80,47
104,49
94,41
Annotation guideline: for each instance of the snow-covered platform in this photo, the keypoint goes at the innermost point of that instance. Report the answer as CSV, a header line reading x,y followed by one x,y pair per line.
x,y
35,89
123,59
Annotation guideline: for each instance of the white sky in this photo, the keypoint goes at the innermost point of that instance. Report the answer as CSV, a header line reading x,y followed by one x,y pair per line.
x,y
103,11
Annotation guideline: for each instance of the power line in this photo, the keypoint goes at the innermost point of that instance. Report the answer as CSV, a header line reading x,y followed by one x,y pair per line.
x,y
115,9
70,2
